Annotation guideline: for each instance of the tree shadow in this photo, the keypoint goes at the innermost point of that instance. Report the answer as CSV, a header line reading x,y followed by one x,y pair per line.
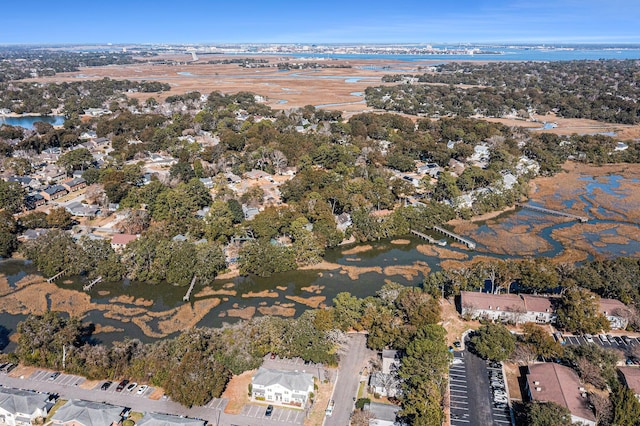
x,y
4,337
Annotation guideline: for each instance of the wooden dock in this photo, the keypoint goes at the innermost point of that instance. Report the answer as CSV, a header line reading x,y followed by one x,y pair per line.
x,y
582,219
59,274
91,284
188,295
456,237
428,238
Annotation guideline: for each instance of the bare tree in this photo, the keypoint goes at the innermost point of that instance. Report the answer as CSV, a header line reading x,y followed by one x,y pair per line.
x,y
279,161
361,418
603,407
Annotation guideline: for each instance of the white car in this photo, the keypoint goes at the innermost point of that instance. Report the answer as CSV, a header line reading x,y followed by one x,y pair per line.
x,y
588,338
131,387
142,389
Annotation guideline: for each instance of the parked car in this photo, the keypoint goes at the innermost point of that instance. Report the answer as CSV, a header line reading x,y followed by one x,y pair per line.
x,y
610,339
142,389
121,385
54,375
457,344
9,368
603,338
269,411
106,385
626,340
618,340
588,338
131,386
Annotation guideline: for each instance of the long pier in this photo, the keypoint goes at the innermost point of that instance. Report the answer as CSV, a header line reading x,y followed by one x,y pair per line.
x,y
59,274
188,295
582,219
465,241
91,284
429,238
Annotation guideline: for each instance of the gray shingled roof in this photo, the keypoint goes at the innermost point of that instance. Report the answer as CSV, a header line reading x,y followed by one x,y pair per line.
x,y
291,380
22,401
156,419
87,413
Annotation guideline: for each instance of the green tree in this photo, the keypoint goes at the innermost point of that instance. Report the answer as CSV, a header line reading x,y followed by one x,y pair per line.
x,y
578,312
493,341
626,408
196,379
547,414
60,218
77,159
262,258
53,252
11,196
540,341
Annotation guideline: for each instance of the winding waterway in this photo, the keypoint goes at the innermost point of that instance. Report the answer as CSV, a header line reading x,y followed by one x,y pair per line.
x,y
149,312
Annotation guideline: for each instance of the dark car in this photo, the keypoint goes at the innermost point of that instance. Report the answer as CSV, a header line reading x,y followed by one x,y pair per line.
x,y
269,411
121,385
10,367
106,385
54,375
457,344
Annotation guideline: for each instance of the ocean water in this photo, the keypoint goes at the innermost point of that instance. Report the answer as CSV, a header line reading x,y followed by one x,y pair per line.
x,y
508,54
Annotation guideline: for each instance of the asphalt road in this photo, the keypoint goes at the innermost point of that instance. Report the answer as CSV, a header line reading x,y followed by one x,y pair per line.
x,y
355,358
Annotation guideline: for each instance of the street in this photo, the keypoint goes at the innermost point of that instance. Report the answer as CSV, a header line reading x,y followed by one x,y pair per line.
x,y
356,356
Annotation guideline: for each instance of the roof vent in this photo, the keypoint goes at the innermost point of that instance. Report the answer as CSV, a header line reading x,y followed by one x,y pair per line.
x,y
538,389
581,389
536,383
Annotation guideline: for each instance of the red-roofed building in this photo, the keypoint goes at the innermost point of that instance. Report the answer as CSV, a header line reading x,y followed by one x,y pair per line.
x,y
119,241
495,307
616,312
551,382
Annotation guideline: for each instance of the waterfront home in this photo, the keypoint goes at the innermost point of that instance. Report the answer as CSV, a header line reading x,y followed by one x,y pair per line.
x,y
539,309
156,419
281,387
343,221
616,312
77,412
386,382
54,192
120,241
21,407
551,382
493,307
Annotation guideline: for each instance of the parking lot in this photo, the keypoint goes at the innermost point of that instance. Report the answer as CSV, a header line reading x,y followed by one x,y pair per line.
x,y
605,342
279,414
458,391
473,392
62,379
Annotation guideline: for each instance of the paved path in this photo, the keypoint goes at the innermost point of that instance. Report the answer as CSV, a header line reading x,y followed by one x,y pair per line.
x,y
352,362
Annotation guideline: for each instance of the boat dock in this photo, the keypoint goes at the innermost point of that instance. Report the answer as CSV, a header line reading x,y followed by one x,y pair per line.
x,y
91,284
59,274
188,295
458,238
428,238
582,219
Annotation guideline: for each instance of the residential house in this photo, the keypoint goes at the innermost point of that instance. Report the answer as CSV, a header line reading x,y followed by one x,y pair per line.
x,y
75,184
343,221
258,174
539,309
249,212
231,178
382,414
281,387
156,419
120,241
54,192
82,210
387,382
52,173
32,234
431,169
494,307
621,146
21,407
25,181
77,412
51,155
551,382
630,377
207,182
96,112
32,201
616,312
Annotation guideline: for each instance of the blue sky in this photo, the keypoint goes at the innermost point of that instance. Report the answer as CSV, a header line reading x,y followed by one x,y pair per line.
x,y
327,21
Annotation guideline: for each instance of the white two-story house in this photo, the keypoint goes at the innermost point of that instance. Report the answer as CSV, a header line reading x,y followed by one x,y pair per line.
x,y
281,387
